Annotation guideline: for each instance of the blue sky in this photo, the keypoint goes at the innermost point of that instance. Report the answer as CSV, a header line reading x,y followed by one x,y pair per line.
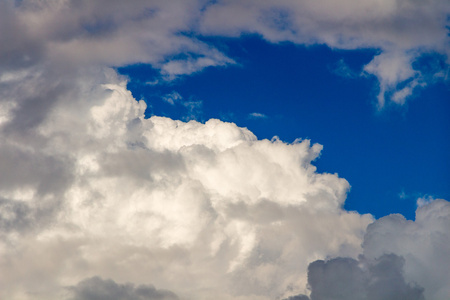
x,y
390,156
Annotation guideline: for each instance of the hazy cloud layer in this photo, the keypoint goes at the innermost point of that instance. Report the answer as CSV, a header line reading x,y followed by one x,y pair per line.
x,y
89,187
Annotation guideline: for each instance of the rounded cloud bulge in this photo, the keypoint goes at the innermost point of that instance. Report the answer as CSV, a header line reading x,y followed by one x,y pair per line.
x,y
402,259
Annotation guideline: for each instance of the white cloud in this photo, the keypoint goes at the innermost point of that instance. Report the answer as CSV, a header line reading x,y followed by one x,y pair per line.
x,y
158,201
424,244
391,69
108,33
89,187
402,260
172,98
256,115
424,200
168,35
401,30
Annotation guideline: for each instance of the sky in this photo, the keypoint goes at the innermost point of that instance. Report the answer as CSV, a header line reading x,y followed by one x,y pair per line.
x,y
249,150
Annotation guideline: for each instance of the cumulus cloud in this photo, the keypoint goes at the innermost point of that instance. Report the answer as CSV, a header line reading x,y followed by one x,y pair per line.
x,y
424,200
350,279
424,244
90,187
402,260
158,200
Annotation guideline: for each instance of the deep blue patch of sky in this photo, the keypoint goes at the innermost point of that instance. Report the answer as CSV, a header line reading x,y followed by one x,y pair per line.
x,y
390,157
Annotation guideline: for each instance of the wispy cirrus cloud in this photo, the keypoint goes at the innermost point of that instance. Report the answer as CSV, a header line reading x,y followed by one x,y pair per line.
x,y
172,98
256,115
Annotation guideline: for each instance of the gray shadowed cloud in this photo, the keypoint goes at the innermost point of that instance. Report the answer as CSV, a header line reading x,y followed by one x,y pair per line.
x,y
402,260
401,30
96,288
168,34
298,297
424,244
350,279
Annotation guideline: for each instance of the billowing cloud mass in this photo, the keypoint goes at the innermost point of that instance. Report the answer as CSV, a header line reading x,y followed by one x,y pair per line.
x,y
98,201
206,208
401,260
424,244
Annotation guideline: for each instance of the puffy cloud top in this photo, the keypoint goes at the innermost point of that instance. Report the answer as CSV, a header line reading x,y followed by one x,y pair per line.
x,y
159,201
425,245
